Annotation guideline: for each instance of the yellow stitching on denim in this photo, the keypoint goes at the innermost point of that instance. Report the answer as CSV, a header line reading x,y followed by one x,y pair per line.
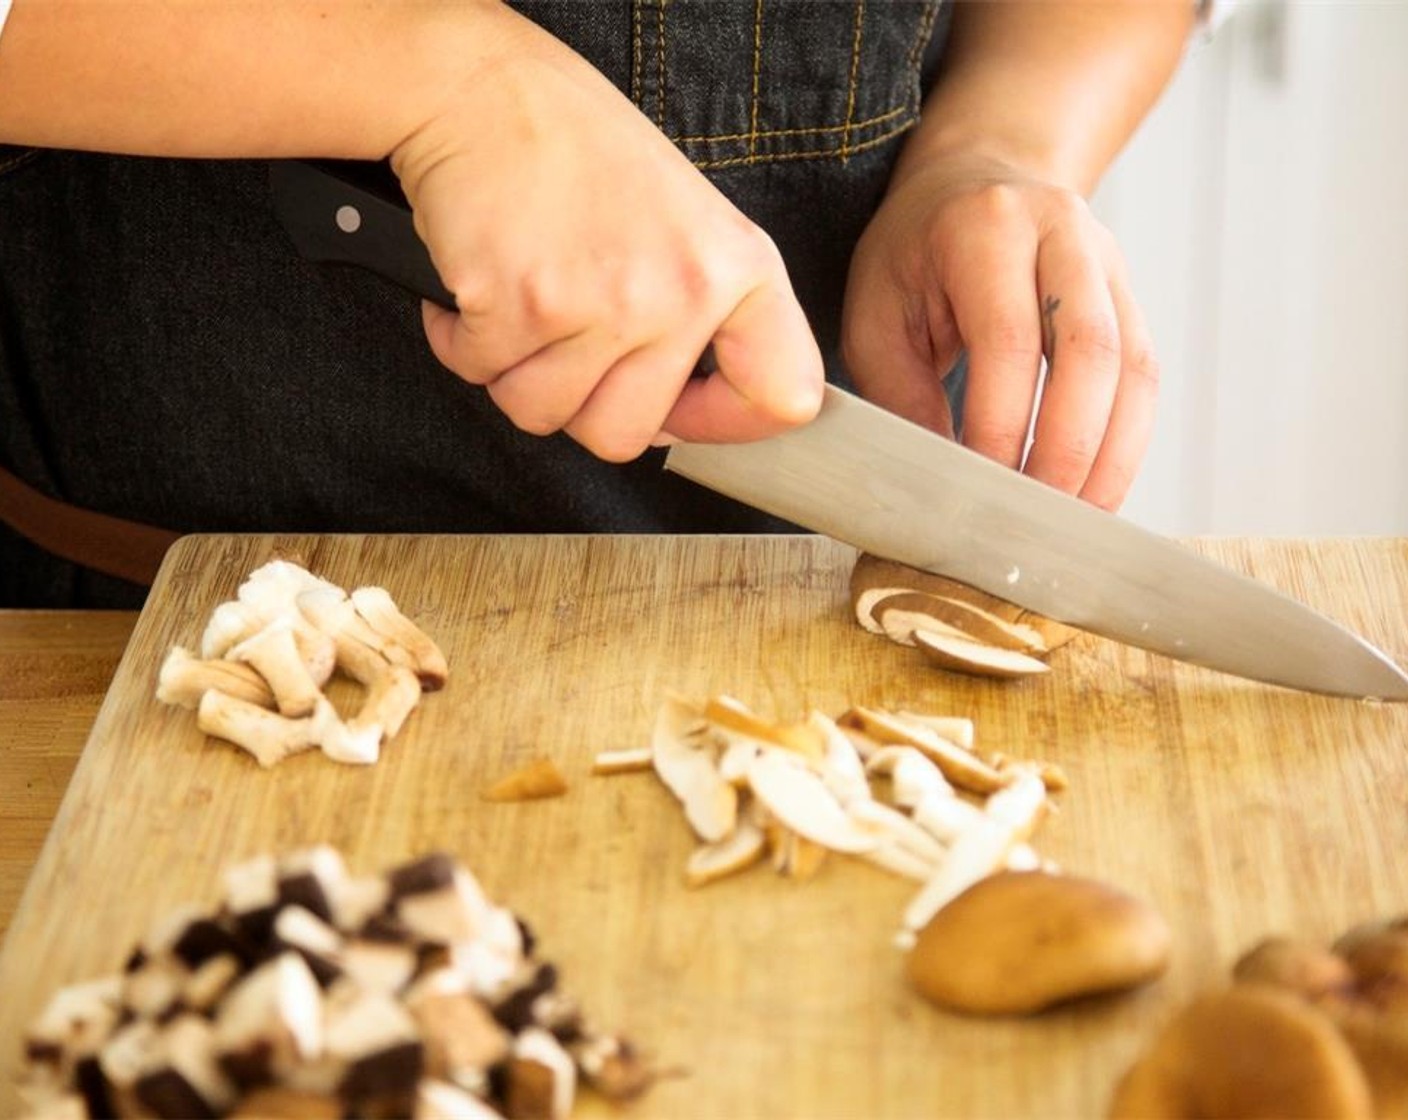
x,y
921,40
855,69
769,133
757,69
660,56
819,153
637,94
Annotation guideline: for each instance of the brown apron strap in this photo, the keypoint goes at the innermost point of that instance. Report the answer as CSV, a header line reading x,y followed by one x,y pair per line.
x,y
125,549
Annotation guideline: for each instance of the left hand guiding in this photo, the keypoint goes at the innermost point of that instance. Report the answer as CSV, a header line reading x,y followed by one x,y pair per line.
x,y
970,253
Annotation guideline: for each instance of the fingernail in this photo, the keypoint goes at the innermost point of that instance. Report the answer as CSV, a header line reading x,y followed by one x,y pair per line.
x,y
664,439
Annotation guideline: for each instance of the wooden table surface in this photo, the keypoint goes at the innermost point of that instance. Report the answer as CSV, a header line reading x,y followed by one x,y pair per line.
x,y
55,667
1239,810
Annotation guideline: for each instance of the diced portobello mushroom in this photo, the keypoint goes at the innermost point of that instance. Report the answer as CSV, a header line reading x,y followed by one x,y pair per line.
x,y
271,1021
376,1039
461,1036
186,1082
541,1078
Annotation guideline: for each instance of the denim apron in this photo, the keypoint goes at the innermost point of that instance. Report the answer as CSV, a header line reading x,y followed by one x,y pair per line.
x,y
166,357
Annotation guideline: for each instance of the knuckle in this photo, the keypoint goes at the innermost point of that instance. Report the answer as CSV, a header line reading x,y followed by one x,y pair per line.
x,y
997,203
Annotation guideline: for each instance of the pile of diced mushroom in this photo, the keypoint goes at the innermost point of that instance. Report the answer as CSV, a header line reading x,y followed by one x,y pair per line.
x,y
311,992
753,788
267,655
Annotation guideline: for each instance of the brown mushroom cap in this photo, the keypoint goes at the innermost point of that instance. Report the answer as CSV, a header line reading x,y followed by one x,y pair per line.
x,y
1252,1050
1018,942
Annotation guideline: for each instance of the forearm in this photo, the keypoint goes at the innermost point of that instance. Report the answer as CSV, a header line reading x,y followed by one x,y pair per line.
x,y
1054,87
237,77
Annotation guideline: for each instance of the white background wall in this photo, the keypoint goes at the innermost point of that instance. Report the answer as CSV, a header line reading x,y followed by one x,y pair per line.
x,y
1263,209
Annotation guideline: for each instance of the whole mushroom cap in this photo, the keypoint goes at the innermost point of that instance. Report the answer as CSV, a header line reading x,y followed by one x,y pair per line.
x,y
1249,1051
1020,941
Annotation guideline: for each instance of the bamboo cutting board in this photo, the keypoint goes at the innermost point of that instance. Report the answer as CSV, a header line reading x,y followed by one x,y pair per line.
x,y
1238,810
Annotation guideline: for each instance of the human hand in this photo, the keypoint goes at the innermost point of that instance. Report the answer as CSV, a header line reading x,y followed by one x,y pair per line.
x,y
971,253
592,264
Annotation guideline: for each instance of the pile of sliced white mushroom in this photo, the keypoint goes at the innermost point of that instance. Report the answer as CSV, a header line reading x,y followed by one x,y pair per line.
x,y
311,992
752,788
267,655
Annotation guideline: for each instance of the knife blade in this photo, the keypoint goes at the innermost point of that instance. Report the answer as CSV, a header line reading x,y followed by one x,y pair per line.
x,y
887,486
890,487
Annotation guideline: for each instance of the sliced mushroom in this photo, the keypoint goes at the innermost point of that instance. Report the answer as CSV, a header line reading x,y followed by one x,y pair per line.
x,y
964,656
268,736
1008,819
736,718
913,775
691,773
538,779
958,730
901,615
959,766
899,828
380,612
627,761
274,655
892,857
184,679
800,800
737,851
841,768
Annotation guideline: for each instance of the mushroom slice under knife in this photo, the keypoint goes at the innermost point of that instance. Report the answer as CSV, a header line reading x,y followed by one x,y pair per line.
x,y
961,655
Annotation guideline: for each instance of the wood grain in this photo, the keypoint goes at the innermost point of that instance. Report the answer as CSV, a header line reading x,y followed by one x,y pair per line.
x,y
55,667
1239,810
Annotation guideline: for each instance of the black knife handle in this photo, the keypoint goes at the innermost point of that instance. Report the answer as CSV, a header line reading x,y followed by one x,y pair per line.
x,y
352,213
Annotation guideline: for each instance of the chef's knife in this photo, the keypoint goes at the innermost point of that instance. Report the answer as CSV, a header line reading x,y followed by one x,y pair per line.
x,y
892,488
